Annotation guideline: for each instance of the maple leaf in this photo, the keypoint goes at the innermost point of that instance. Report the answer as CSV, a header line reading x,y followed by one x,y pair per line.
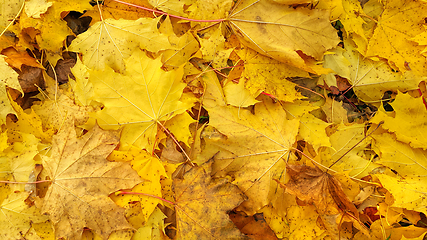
x,y
284,34
34,8
409,130
347,146
250,162
299,223
108,42
349,13
237,95
369,78
16,216
208,9
312,185
313,131
213,48
154,228
17,58
202,203
82,179
82,87
408,188
54,111
52,28
154,98
148,167
262,73
16,161
182,48
399,22
172,6
118,10
10,79
10,10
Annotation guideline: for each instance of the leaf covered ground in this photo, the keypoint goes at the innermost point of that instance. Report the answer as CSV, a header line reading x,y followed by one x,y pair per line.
x,y
213,119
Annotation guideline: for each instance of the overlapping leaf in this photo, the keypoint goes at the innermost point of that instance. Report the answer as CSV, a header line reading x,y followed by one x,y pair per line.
x,y
285,34
202,203
370,78
251,162
108,42
399,22
140,100
82,179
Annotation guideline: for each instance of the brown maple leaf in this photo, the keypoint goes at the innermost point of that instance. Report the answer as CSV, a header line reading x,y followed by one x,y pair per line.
x,y
202,204
324,191
313,186
82,179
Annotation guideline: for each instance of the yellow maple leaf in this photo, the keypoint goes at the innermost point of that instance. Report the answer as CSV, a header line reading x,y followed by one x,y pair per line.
x,y
17,161
154,227
9,78
182,48
399,156
300,222
284,33
179,126
408,189
409,193
117,10
52,28
312,130
348,12
54,111
399,22
34,8
421,39
28,122
237,95
202,203
250,162
150,169
344,139
16,217
408,122
81,180
140,100
213,49
262,73
82,87
175,7
208,9
108,42
335,112
369,78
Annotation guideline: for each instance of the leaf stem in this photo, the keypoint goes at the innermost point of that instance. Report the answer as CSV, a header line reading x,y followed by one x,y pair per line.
x,y
167,14
148,195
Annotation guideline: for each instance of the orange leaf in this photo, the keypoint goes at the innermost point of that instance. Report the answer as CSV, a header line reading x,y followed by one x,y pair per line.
x,y
17,59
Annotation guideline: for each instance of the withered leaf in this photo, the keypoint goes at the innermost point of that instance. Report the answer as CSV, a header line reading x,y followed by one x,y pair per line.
x,y
202,204
312,185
